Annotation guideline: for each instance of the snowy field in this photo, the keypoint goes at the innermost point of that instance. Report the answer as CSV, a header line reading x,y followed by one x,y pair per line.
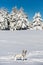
x,y
12,43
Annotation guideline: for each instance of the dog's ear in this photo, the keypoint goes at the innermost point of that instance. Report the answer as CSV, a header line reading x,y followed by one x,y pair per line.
x,y
22,51
25,51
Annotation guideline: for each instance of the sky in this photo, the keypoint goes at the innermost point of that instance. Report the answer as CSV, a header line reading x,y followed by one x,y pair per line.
x,y
30,6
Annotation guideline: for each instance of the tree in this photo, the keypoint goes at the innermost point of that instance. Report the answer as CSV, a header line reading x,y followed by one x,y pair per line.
x,y
37,21
18,19
22,19
3,18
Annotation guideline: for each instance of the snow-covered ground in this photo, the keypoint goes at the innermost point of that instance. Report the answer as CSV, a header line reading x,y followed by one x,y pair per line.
x,y
12,43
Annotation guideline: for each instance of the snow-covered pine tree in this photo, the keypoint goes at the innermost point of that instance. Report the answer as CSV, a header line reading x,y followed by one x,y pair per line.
x,y
3,18
19,19
37,21
22,19
13,18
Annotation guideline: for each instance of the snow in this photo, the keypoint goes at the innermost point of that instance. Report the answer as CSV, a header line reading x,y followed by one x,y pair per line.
x,y
37,15
12,43
1,19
